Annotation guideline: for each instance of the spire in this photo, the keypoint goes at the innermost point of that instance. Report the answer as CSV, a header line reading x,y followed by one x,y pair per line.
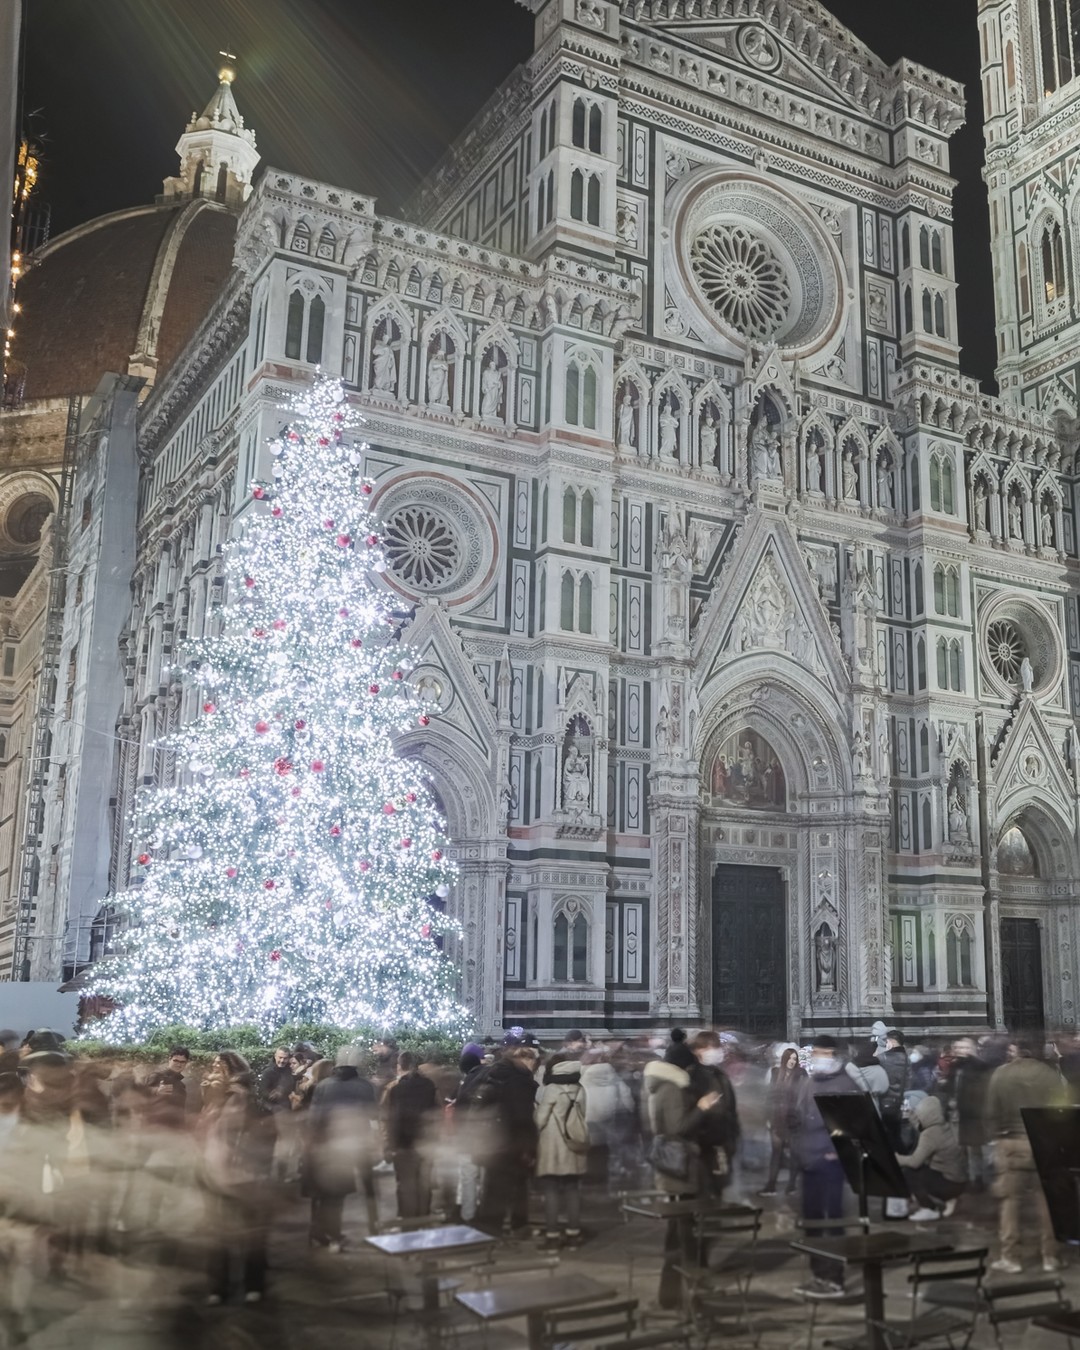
x,y
217,152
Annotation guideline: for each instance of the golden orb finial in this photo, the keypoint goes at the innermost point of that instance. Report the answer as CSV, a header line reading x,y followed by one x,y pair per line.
x,y
227,73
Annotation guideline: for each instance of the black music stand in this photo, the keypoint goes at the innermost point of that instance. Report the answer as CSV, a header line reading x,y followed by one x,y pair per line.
x,y
1054,1132
863,1148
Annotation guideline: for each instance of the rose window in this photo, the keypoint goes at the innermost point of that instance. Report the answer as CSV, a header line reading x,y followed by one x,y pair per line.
x,y
1007,649
422,548
743,280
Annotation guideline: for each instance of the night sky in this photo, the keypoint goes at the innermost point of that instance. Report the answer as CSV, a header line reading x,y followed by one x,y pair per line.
x,y
367,93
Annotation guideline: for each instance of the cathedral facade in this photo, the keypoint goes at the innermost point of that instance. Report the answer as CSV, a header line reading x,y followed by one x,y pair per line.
x,y
752,621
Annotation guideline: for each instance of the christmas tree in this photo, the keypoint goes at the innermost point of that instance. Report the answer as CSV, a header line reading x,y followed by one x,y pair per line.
x,y
286,876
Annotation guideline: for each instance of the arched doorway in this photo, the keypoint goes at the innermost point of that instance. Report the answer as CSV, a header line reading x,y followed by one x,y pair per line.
x,y
1023,1005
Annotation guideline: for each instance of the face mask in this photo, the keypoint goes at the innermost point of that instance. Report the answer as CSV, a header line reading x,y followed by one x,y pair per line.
x,y
712,1057
820,1065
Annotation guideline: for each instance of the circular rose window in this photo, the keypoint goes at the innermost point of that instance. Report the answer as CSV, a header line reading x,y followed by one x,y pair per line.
x,y
422,548
1013,632
1005,643
437,537
742,278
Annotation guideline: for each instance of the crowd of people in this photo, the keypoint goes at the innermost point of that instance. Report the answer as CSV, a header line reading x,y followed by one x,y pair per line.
x,y
99,1154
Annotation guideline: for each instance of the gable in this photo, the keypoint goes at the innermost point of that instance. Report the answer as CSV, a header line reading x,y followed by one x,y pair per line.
x,y
1030,765
444,673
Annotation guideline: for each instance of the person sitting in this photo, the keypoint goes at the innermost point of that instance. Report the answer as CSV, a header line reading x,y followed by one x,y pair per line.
x,y
936,1172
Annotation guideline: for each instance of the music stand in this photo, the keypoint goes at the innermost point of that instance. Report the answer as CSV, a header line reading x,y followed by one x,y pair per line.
x,y
1054,1133
863,1148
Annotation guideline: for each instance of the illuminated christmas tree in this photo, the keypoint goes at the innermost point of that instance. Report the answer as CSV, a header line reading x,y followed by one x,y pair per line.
x,y
287,875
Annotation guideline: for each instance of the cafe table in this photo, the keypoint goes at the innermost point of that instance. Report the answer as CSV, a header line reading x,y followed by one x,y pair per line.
x,y
530,1296
872,1252
426,1245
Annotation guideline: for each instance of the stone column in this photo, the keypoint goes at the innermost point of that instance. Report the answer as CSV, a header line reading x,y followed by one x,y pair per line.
x,y
478,903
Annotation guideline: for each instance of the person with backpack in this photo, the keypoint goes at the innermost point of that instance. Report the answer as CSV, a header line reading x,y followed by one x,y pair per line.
x,y
562,1150
894,1060
500,1102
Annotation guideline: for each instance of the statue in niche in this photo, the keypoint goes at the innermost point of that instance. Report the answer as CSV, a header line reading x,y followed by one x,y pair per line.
x,y
825,956
884,484
708,440
577,793
959,826
815,459
438,376
660,731
982,507
491,389
1027,675
669,430
384,362
1046,525
627,430
859,761
1016,517
765,451
849,476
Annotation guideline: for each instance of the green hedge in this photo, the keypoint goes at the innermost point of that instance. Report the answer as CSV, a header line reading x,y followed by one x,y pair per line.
x,y
258,1051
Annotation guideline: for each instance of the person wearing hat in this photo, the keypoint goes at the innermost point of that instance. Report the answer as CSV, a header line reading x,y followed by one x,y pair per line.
x,y
340,1145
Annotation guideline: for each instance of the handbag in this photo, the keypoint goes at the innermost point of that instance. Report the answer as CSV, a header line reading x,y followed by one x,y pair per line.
x,y
670,1155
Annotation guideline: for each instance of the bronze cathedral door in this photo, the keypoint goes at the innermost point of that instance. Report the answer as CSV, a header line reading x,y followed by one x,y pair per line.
x,y
750,977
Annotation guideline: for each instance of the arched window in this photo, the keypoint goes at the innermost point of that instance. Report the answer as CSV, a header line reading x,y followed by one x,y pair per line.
x,y
560,962
577,131
924,247
569,517
581,386
541,609
550,209
909,311
936,260
1010,65
222,187
586,519
585,605
588,401
596,128
294,326
924,748
593,205
958,953
1059,42
927,311
577,195
570,952
905,245
301,239
920,663
1025,279
316,323
942,484
942,663
939,315
566,603
543,146
196,185
1053,263
573,394
956,669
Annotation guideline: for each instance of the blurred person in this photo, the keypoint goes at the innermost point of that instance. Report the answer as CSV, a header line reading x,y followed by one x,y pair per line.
x,y
894,1060
408,1108
784,1080
575,1043
444,1163
1022,1081
339,1149
922,1068
468,1171
812,1147
9,1051
562,1148
675,1117
718,1131
501,1098
964,1089
385,1053
189,1093
868,1073
304,1087
609,1114
48,1151
237,1150
275,1087
936,1165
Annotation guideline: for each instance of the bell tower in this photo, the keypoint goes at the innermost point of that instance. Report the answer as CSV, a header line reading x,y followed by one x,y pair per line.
x,y
217,152
1031,90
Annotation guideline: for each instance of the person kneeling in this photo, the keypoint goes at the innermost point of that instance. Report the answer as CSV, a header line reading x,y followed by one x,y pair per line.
x,y
936,1168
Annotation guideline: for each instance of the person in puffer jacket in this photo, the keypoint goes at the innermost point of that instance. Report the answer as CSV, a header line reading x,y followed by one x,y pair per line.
x,y
561,1115
936,1171
609,1113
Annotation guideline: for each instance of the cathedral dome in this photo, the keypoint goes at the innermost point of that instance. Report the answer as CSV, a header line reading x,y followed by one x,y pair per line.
x,y
122,293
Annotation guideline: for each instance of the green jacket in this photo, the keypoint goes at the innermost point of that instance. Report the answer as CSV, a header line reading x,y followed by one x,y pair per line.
x,y
1022,1082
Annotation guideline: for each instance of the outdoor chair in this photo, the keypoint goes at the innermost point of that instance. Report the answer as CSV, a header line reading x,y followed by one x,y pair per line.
x,y
850,1298
1065,1324
592,1325
947,1298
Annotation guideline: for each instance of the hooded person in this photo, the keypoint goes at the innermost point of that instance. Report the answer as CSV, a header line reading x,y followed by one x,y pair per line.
x,y
868,1072
562,1146
609,1113
936,1166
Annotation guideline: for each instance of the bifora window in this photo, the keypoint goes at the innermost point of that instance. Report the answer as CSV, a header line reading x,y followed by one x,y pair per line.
x,y
1059,42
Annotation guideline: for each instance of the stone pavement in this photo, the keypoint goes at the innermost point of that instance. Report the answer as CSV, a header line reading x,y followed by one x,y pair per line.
x,y
316,1299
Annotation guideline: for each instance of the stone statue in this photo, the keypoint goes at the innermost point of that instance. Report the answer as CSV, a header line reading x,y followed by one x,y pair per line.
x,y
825,952
982,511
859,764
1046,525
708,441
576,788
815,454
1016,518
849,478
764,451
627,436
491,390
884,485
1027,675
669,426
660,732
384,363
959,830
438,378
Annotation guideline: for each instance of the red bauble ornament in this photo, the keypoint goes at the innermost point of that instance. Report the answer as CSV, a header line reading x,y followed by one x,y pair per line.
x,y
275,956
317,766
397,675
365,488
437,855
344,540
365,867
324,440
245,773
328,524
258,492
230,872
335,830
261,728
406,843
258,632
144,858
209,707
339,417
249,582
423,719
389,808
269,883
296,792
373,688
410,796
278,625
343,612
282,766
299,724
275,511
356,642
425,930
372,539
294,435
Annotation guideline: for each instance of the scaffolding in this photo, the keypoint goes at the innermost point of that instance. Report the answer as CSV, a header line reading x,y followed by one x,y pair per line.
x,y
45,708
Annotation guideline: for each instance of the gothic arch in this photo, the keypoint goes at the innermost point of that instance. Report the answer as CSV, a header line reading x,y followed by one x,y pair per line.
x,y
1050,837
460,777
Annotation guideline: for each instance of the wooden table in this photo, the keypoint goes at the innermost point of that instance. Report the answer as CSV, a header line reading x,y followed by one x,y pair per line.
x,y
531,1296
872,1251
424,1245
